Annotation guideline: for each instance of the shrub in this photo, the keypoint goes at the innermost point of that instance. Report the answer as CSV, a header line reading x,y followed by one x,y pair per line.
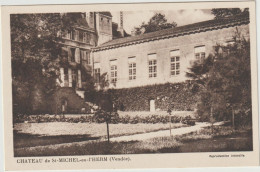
x,y
99,118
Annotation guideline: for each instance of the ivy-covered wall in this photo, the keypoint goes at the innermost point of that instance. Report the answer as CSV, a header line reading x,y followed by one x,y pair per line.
x,y
177,96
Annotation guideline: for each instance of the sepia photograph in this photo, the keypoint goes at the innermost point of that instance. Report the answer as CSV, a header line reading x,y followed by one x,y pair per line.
x,y
124,82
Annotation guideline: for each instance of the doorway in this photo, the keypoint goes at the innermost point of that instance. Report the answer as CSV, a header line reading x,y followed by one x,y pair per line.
x,y
152,105
64,105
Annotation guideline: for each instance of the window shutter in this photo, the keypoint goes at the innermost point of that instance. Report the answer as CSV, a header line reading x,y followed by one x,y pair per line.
x,y
69,54
77,55
87,54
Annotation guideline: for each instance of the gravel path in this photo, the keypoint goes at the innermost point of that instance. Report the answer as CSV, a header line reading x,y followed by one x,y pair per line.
x,y
174,132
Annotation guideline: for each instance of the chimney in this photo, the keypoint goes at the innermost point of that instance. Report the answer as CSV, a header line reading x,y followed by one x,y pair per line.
x,y
121,24
90,19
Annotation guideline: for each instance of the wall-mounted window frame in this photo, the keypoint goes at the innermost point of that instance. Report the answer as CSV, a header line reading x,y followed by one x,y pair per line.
x,y
97,73
132,68
175,62
113,71
152,65
200,53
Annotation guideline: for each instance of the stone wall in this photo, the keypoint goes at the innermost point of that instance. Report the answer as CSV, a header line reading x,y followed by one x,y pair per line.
x,y
75,103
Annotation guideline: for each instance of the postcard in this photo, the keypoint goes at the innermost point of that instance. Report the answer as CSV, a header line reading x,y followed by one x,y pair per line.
x,y
138,85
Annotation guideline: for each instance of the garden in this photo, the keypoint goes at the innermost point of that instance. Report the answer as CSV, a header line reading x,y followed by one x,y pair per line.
x,y
39,130
223,138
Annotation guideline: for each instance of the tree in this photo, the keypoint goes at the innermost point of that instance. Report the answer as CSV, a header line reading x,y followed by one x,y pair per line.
x,y
101,97
157,22
227,12
224,79
35,51
105,110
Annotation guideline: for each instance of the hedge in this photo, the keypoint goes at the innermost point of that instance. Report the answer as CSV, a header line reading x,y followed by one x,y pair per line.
x,y
151,119
180,96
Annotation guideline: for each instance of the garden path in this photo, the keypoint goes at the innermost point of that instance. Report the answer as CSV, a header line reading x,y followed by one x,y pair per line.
x,y
162,133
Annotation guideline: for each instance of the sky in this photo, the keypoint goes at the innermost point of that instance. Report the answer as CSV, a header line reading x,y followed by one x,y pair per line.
x,y
181,17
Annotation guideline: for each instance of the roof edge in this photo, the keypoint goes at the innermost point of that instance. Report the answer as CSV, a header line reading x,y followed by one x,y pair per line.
x,y
219,24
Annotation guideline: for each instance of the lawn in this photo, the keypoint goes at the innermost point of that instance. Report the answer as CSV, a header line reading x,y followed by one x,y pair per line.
x,y
223,139
39,134
101,148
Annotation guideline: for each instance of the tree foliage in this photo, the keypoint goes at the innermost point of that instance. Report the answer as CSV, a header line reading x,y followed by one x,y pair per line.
x,y
157,22
35,51
228,12
225,80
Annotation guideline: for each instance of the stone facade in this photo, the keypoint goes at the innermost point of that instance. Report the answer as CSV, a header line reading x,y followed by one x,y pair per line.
x,y
169,58
148,59
75,59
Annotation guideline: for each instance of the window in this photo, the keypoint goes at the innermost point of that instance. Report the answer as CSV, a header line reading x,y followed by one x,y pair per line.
x,y
87,54
199,53
132,68
81,36
66,76
175,62
72,54
77,55
67,34
97,72
72,35
97,75
83,54
113,70
152,65
86,37
76,35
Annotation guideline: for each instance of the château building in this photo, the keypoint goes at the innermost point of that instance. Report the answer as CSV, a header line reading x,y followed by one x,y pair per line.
x,y
91,29
166,55
160,57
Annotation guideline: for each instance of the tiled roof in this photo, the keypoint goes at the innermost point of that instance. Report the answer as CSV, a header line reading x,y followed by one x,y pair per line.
x,y
174,32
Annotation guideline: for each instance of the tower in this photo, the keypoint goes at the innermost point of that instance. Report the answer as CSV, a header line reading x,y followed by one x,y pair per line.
x,y
104,27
